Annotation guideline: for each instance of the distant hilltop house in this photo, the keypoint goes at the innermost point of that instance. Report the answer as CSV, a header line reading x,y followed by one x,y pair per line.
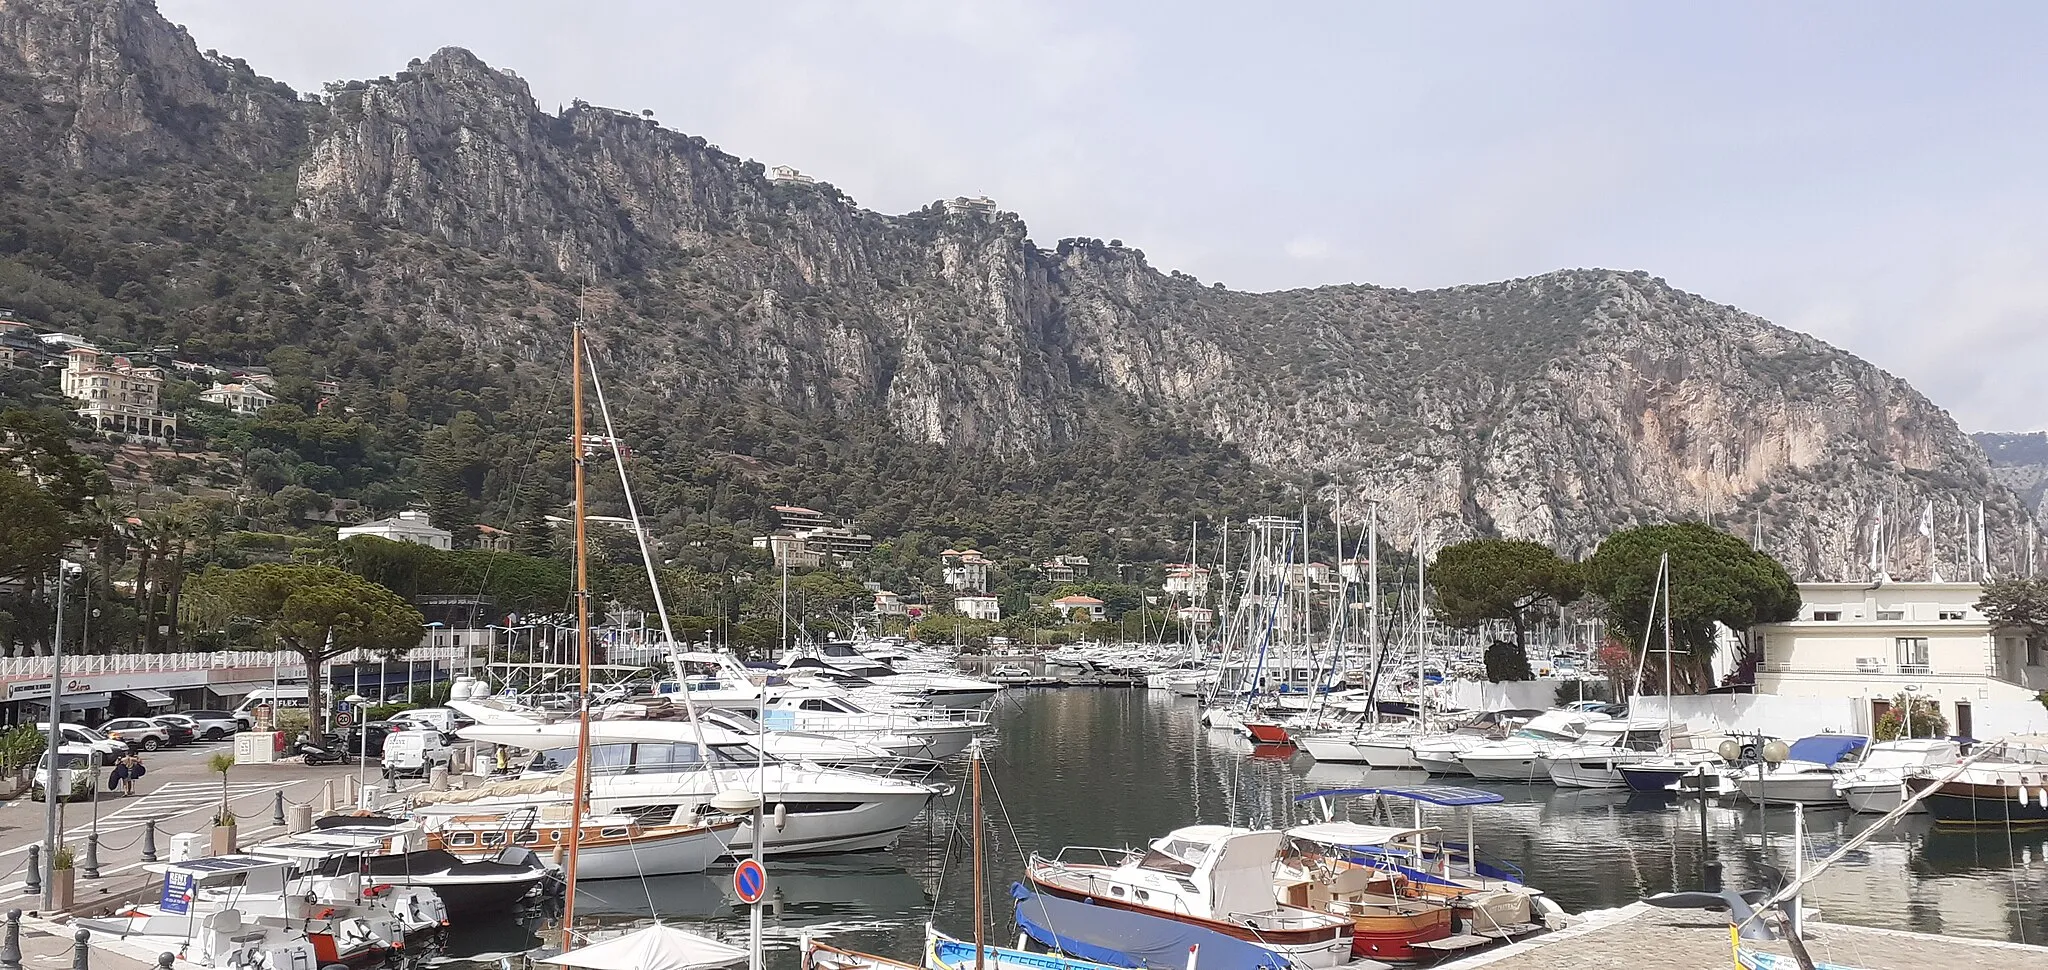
x,y
979,205
889,604
409,526
118,396
1089,607
1063,569
783,173
965,569
1196,616
978,607
19,346
239,398
1185,579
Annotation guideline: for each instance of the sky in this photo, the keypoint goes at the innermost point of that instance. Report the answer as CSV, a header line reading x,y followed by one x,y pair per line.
x,y
1872,173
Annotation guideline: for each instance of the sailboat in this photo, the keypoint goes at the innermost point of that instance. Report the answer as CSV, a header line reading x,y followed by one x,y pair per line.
x,y
653,947
943,952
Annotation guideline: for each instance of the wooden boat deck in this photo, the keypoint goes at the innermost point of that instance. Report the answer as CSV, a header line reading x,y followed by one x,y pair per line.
x,y
1641,937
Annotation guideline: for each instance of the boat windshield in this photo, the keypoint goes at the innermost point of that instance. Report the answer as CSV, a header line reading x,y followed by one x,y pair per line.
x,y
618,758
1539,734
1177,856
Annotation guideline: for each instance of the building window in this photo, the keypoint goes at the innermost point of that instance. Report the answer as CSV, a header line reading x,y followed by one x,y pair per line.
x,y
1952,614
1912,653
1827,614
2033,652
1891,614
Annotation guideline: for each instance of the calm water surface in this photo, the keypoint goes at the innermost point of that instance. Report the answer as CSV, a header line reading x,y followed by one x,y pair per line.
x,y
1119,767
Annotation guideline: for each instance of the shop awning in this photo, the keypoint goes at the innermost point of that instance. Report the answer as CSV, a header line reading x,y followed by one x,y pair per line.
x,y
153,698
234,690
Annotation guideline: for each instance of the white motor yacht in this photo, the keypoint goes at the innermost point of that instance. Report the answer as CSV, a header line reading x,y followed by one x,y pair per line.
x,y
656,772
829,710
1595,762
1807,775
1878,782
1525,754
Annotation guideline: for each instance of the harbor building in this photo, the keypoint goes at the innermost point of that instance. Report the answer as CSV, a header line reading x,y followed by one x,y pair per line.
x,y
1866,644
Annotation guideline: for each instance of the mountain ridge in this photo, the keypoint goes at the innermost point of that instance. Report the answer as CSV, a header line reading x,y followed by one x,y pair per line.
x,y
1554,407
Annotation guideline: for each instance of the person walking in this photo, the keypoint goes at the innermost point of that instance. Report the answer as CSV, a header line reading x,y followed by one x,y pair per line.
x,y
135,770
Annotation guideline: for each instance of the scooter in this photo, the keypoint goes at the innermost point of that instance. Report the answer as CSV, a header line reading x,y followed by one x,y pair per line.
x,y
316,754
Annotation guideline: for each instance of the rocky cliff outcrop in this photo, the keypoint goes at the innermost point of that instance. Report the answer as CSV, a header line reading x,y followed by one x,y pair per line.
x,y
1554,408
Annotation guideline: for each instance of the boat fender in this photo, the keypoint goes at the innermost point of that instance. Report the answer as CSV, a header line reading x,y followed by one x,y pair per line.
x,y
2023,796
2044,797
372,892
325,913
782,813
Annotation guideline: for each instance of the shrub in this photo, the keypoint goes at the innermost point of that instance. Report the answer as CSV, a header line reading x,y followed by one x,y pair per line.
x,y
1927,720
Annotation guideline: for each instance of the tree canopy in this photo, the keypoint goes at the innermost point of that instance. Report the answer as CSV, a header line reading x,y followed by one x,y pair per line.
x,y
1502,579
317,611
1715,578
2019,603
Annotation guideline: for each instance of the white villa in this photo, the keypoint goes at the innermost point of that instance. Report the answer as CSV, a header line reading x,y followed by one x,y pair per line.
x,y
981,607
1869,643
239,398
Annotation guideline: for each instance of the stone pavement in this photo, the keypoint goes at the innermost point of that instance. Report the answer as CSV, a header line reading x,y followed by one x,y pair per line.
x,y
1641,937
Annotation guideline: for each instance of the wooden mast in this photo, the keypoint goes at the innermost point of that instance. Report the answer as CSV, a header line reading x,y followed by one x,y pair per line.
x,y
582,635
980,917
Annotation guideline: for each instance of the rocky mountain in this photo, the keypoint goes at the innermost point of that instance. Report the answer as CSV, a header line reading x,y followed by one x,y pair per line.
x,y
443,204
2019,462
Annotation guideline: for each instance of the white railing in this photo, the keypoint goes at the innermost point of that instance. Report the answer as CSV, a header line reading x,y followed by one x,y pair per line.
x,y
286,662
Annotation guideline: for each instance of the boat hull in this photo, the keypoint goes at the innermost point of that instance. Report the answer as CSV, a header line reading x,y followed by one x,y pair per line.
x,y
1811,790
1330,749
1964,803
1643,779
1520,767
1587,772
1386,752
1393,936
1441,762
1266,733
1322,948
1878,798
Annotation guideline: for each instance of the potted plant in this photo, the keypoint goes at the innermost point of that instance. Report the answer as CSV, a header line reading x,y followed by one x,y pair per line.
x,y
223,820
63,877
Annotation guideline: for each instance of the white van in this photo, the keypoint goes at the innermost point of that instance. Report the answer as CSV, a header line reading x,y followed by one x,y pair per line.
x,y
78,770
441,719
414,752
276,697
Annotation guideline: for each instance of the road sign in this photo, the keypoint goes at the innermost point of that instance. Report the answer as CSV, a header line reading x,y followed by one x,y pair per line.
x,y
750,881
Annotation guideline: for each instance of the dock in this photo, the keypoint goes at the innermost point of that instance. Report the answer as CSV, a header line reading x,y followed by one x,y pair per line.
x,y
1642,937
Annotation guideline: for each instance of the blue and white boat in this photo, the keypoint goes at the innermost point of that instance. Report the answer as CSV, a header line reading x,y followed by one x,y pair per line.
x,y
1808,773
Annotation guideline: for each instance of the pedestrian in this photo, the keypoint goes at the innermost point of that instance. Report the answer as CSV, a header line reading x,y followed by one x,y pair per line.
x,y
135,771
119,776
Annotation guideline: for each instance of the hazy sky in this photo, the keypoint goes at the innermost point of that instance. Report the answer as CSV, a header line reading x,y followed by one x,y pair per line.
x,y
1872,173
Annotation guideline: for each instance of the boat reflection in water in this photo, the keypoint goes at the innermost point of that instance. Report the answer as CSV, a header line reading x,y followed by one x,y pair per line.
x,y
847,893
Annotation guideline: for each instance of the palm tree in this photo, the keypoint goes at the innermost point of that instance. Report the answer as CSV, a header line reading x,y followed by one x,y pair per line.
x,y
106,522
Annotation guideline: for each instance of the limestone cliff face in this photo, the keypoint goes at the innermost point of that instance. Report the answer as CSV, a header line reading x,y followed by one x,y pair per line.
x,y
2020,462
1554,408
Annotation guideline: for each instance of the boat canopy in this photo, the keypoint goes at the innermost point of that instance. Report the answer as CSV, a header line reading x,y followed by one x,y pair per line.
x,y
652,947
1352,834
1122,938
1449,796
1825,749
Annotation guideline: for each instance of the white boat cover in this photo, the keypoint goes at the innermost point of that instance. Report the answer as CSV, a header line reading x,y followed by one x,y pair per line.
x,y
1353,834
652,947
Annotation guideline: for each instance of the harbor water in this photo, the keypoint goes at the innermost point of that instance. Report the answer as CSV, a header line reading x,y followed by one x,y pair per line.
x,y
1105,767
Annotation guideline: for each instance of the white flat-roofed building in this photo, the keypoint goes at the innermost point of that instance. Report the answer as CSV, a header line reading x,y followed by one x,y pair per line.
x,y
978,607
1877,641
409,526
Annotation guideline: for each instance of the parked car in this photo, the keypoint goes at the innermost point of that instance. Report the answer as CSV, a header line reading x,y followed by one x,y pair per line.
x,y
137,732
76,772
415,753
69,733
181,728
366,740
215,725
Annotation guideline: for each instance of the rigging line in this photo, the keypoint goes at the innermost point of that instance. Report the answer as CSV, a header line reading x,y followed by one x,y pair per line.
x,y
946,856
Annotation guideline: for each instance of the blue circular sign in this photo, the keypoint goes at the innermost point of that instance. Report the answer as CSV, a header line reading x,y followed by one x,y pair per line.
x,y
750,881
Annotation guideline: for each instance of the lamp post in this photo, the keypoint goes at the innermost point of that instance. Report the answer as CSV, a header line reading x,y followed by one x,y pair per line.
x,y
1912,691
65,570
355,702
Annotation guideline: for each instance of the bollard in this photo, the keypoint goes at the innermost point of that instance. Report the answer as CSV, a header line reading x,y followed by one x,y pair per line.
x,y
437,778
300,819
1710,877
80,950
277,818
164,960
91,869
327,797
355,794
149,840
32,884
10,947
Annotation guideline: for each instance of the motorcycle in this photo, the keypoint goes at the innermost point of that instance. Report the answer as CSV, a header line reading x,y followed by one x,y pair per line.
x,y
319,754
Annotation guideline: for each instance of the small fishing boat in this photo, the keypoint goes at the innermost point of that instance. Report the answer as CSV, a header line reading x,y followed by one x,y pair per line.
x,y
1213,876
1807,775
1389,918
241,911
2008,786
652,947
394,852
1126,938
612,846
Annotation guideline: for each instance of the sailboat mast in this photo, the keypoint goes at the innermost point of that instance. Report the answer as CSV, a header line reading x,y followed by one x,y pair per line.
x,y
582,635
980,915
